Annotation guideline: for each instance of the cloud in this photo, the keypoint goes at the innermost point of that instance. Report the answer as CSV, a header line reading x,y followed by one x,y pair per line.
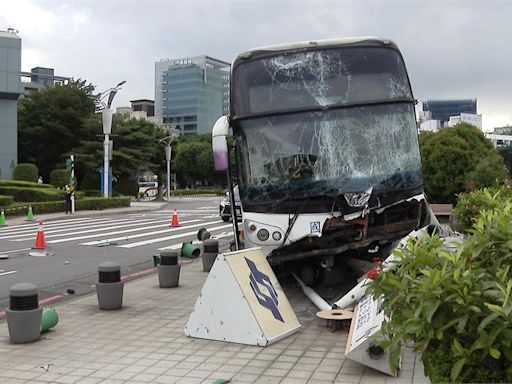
x,y
451,48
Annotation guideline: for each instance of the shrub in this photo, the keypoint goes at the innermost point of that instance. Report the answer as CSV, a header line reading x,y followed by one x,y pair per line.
x,y
59,178
127,187
6,200
454,306
26,172
26,184
59,206
469,205
97,193
32,194
195,192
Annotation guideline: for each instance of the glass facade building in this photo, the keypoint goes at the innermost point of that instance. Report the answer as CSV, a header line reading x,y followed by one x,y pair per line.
x,y
45,76
443,109
191,93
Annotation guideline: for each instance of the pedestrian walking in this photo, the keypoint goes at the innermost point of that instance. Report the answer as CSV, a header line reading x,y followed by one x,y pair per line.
x,y
69,192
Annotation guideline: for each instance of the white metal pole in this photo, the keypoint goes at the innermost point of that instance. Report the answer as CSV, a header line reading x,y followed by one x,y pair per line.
x,y
73,183
105,166
168,158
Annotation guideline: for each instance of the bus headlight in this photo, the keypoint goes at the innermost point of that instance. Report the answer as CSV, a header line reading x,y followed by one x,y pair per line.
x,y
262,235
276,236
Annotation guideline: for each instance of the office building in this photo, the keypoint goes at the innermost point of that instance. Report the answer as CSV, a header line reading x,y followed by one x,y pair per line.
x,y
144,105
442,110
39,78
10,88
469,118
191,93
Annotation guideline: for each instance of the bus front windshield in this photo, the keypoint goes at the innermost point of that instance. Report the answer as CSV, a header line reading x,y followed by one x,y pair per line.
x,y
328,153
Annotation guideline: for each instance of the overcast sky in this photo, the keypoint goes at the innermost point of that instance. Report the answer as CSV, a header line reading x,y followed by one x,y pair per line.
x,y
452,49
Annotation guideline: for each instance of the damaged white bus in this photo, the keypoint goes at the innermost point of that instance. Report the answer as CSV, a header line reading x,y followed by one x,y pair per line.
x,y
326,151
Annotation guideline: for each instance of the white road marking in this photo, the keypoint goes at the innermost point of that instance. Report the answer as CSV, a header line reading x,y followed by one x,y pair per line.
x,y
116,232
16,250
145,234
7,273
178,246
70,228
48,224
105,229
160,239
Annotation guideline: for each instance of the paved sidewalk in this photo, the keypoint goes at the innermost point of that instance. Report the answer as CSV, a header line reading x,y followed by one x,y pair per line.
x,y
144,343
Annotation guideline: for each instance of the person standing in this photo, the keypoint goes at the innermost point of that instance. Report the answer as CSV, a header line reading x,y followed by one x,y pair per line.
x,y
69,192
40,180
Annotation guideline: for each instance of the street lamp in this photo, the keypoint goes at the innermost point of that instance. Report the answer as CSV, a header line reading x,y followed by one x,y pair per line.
x,y
173,133
107,128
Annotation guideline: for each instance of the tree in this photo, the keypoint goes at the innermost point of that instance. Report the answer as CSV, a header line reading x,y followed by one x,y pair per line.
x,y
454,157
506,154
51,123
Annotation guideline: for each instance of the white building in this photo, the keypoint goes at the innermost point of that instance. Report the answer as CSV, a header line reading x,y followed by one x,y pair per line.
x,y
430,125
499,140
469,118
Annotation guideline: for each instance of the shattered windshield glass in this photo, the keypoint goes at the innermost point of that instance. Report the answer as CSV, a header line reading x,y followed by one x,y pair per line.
x,y
319,78
326,153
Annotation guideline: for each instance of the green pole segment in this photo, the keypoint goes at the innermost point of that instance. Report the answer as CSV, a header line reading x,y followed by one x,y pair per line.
x,y
3,223
30,215
49,319
189,250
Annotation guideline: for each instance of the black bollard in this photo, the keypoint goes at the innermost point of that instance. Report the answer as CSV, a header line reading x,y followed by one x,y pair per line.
x,y
24,314
109,288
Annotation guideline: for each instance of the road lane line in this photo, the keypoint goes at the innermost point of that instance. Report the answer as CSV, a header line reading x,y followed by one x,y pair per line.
x,y
97,242
21,236
160,239
96,235
27,227
51,222
137,224
16,250
7,273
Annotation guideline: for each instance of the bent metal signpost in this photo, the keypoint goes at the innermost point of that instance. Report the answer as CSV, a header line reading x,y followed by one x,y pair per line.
x,y
242,302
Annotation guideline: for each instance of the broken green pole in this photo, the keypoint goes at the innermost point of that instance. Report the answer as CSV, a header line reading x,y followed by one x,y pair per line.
x,y
49,319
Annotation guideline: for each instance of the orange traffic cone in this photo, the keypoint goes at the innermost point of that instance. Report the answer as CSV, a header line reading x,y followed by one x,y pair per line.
x,y
175,221
40,240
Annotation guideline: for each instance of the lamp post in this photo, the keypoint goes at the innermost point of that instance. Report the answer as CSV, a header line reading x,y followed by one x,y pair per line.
x,y
107,128
173,133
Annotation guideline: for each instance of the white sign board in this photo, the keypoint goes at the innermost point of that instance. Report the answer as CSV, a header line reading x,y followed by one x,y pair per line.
x,y
362,343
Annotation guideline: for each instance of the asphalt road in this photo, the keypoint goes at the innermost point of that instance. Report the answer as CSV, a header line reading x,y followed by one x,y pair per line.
x,y
78,245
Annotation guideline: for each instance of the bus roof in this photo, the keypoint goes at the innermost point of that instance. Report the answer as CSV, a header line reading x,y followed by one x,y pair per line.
x,y
320,43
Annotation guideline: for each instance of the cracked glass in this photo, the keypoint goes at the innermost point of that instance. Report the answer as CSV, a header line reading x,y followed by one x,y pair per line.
x,y
325,122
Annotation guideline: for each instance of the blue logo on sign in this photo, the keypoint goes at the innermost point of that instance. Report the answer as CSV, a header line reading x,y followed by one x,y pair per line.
x,y
258,279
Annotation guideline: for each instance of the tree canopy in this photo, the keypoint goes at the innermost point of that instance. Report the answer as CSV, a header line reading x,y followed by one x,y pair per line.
x,y
458,158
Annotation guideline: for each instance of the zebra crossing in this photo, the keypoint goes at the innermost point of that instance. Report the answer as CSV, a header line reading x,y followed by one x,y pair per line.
x,y
124,232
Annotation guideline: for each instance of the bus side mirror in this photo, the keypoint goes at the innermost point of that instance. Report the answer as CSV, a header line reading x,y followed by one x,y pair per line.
x,y
220,132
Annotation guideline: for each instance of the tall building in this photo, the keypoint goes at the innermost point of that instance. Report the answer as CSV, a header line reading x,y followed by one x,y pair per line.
x,y
38,78
145,105
442,110
10,88
191,93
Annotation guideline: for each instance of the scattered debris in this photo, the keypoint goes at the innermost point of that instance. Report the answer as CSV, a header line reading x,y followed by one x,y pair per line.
x,y
3,257
70,291
67,262
46,367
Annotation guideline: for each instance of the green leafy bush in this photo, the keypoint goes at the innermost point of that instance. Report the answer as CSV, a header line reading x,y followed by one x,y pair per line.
x,y
196,192
59,206
26,172
32,194
469,205
454,306
6,200
26,184
59,178
97,193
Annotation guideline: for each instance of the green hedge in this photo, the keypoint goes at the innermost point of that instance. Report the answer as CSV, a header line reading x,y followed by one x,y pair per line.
x,y
196,192
97,193
59,206
26,172
21,194
26,184
59,178
6,200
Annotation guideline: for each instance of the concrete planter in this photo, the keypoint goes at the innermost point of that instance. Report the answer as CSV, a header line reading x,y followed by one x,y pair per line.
x,y
109,288
24,314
